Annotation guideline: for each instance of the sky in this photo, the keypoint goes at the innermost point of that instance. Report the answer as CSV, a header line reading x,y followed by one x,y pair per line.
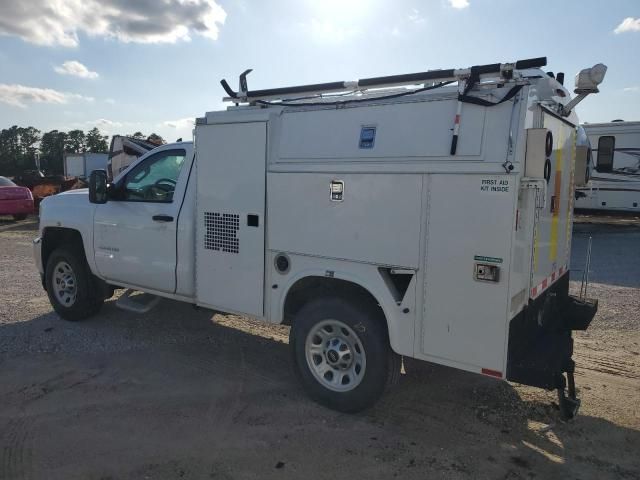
x,y
155,65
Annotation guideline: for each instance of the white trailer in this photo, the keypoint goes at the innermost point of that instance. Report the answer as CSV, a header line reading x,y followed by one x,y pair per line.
x,y
431,222
613,168
82,164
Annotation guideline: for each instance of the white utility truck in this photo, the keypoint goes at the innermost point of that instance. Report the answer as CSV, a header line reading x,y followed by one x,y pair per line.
x,y
425,215
613,171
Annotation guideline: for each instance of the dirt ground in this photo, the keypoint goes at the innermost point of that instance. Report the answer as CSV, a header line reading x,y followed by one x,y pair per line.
x,y
177,393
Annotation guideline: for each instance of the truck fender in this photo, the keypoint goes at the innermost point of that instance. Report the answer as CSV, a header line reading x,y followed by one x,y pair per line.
x,y
78,219
377,290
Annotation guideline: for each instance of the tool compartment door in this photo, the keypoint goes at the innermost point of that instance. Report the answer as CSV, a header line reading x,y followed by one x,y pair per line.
x,y
231,161
470,222
552,235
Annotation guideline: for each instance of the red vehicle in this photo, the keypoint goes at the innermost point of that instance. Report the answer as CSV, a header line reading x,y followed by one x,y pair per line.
x,y
15,200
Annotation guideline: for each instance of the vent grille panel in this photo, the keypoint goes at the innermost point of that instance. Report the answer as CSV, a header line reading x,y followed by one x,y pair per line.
x,y
221,232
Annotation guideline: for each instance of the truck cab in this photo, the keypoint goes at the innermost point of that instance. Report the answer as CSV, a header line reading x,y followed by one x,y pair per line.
x,y
131,240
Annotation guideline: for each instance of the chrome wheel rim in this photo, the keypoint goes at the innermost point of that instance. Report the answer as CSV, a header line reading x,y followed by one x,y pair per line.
x,y
335,355
65,286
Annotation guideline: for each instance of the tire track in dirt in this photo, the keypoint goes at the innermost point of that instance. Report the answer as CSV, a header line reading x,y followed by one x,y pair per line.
x,y
239,379
224,411
16,450
211,363
60,382
608,364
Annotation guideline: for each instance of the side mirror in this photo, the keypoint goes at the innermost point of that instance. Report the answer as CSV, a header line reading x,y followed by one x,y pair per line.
x,y
98,186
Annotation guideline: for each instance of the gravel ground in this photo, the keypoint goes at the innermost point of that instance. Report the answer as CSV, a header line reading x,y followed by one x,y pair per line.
x,y
177,393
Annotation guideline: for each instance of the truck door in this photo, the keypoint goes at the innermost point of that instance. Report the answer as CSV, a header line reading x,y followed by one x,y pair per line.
x,y
135,231
231,173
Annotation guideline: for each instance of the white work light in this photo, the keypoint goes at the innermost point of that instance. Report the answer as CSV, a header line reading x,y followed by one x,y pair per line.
x,y
587,80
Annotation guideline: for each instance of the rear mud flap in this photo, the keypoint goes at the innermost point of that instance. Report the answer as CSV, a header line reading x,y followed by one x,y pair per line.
x,y
541,346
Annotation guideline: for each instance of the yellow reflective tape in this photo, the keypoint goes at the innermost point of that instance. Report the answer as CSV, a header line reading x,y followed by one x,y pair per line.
x,y
572,167
535,243
557,195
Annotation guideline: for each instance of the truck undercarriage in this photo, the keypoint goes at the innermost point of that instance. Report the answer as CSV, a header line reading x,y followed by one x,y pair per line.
x,y
541,345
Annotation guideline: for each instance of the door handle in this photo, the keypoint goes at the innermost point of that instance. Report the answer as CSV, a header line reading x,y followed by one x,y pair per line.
x,y
162,218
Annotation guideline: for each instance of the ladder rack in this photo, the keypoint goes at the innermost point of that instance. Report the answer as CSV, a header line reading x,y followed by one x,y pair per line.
x,y
505,70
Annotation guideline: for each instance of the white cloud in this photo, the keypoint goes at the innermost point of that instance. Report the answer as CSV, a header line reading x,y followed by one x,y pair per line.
x,y
59,22
459,4
105,123
330,31
110,101
172,129
75,69
20,95
180,124
629,24
632,89
416,17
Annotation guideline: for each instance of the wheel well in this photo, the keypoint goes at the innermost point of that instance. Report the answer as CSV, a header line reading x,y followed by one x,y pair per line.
x,y
55,237
310,287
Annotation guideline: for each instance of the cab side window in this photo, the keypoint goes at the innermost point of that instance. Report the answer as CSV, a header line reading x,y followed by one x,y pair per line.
x,y
155,178
606,147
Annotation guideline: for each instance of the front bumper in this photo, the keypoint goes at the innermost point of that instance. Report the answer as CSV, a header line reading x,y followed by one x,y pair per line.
x,y
541,344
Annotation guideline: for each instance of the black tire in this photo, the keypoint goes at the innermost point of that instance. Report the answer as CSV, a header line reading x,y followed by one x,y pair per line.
x,y
88,300
382,364
21,216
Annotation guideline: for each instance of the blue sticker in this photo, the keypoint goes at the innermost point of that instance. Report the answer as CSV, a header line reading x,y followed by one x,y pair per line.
x,y
367,137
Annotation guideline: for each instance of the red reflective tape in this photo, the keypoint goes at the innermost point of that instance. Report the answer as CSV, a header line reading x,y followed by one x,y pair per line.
x,y
553,277
457,120
544,283
491,373
534,290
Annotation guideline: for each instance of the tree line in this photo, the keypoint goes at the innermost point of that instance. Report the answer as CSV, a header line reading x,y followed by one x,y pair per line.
x,y
19,147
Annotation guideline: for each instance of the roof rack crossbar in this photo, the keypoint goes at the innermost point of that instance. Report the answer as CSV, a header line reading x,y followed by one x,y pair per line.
x,y
379,82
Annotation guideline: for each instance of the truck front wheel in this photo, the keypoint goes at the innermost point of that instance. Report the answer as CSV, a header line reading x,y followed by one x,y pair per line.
x,y
341,353
70,285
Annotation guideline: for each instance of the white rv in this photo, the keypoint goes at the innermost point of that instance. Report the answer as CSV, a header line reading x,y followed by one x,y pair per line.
x,y
425,215
614,167
124,151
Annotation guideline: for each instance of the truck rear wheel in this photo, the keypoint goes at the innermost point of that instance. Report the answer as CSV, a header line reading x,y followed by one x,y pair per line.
x,y
341,353
70,285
